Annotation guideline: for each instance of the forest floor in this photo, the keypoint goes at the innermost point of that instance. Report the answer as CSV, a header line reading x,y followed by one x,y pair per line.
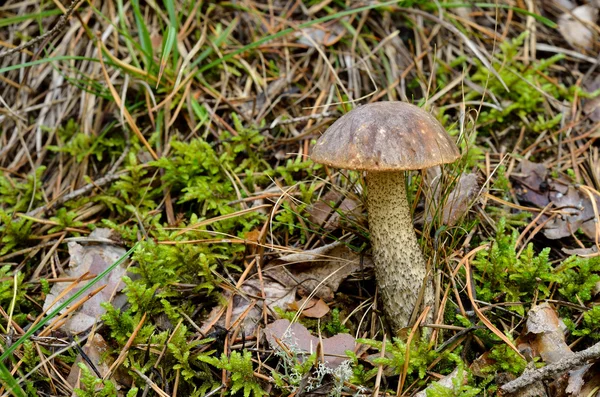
x,y
162,225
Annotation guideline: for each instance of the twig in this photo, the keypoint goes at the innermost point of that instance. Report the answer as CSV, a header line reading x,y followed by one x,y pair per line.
x,y
576,360
62,22
79,192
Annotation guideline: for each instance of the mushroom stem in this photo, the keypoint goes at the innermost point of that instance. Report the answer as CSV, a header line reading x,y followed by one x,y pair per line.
x,y
399,264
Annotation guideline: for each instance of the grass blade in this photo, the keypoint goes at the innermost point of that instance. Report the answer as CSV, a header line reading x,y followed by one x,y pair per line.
x,y
144,35
168,43
48,60
8,380
21,18
290,30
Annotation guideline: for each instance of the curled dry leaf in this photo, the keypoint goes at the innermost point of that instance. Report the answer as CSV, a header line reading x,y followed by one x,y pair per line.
x,y
315,308
575,26
534,186
93,259
297,339
584,252
324,214
322,269
547,334
544,337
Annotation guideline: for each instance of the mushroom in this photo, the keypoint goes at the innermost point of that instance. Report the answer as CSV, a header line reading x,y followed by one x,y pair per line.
x,y
385,139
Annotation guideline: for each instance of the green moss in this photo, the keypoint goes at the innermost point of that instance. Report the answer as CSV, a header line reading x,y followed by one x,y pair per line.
x,y
242,372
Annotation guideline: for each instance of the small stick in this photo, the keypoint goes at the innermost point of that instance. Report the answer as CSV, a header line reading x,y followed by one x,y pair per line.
x,y
576,360
57,28
76,193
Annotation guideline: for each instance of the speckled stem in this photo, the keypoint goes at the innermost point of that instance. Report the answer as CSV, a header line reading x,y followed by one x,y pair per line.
x,y
399,264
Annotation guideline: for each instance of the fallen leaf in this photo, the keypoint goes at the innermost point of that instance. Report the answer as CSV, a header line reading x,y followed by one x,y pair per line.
x,y
276,295
591,107
458,202
275,89
321,35
574,26
589,375
324,213
547,334
463,12
576,380
446,381
96,349
322,269
584,252
534,186
315,308
94,259
252,235
298,340
479,365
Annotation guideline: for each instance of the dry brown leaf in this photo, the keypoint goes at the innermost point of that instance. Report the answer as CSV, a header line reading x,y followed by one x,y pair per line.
x,y
531,183
458,202
574,26
534,186
547,334
591,107
92,258
585,381
479,365
446,381
276,295
323,210
315,308
96,350
576,380
322,269
581,251
252,235
298,339
321,35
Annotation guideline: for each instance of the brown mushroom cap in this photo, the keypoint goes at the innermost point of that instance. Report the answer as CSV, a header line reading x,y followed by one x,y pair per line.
x,y
385,136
